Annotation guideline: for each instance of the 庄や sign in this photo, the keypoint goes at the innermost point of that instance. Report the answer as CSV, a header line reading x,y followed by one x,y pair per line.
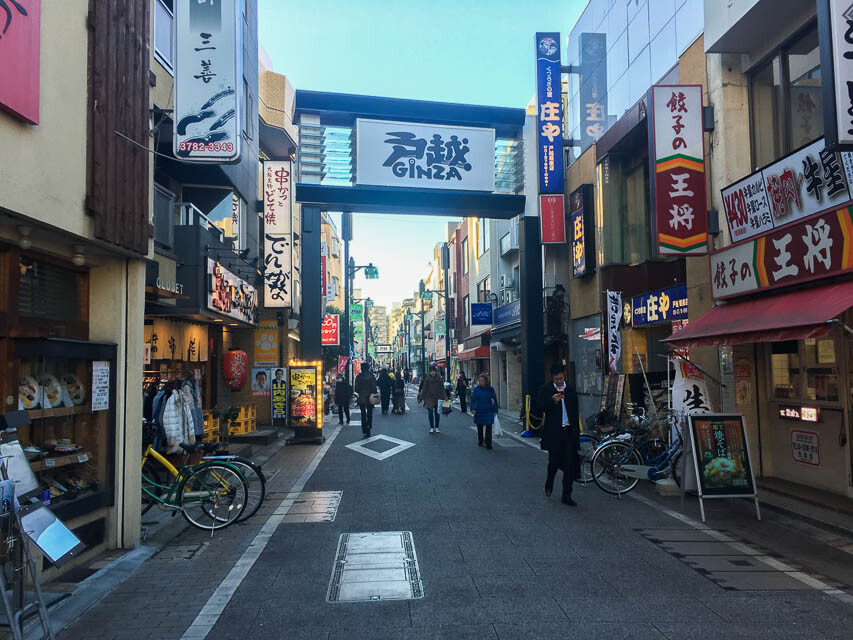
x,y
813,248
408,154
582,229
679,204
549,110
208,80
552,218
20,33
835,31
806,182
278,234
330,331
659,306
593,89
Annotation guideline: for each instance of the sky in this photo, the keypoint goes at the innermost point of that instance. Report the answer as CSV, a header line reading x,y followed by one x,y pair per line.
x,y
464,51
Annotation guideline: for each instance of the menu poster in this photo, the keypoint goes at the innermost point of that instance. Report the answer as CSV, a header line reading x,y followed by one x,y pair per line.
x,y
278,387
303,399
100,385
721,455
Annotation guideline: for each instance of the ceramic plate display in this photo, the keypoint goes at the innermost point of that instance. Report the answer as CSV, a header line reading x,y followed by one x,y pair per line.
x,y
76,390
52,391
29,392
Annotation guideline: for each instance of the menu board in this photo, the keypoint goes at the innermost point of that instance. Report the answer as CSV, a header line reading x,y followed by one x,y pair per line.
x,y
100,385
721,456
303,396
279,395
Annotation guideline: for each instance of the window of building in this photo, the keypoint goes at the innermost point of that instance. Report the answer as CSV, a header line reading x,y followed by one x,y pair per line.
x,y
484,288
465,255
223,208
786,106
482,236
813,362
164,45
248,109
467,308
821,367
785,369
165,218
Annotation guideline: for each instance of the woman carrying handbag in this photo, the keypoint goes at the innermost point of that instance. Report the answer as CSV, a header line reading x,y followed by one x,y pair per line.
x,y
484,404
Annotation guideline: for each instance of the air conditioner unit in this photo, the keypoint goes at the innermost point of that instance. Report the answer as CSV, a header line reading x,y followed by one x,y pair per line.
x,y
506,280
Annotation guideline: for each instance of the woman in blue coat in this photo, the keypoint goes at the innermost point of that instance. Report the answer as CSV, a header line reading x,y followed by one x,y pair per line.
x,y
484,405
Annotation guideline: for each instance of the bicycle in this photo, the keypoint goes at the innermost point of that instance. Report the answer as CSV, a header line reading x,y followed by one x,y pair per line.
x,y
618,465
210,496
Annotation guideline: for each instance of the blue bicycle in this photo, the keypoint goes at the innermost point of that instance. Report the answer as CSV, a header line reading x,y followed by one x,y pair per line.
x,y
618,465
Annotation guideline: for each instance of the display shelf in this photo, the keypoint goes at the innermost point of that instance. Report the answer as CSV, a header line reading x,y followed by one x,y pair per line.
x,y
59,412
60,461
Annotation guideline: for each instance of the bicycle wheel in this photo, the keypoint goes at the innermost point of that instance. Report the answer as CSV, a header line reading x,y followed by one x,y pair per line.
x,y
213,496
257,486
606,467
150,479
588,443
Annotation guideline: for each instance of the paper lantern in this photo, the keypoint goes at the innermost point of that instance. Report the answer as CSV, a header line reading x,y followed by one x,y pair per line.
x,y
235,368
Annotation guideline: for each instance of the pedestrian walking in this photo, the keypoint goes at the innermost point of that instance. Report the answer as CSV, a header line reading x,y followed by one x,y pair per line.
x,y
484,404
462,391
365,387
343,396
557,403
399,398
432,393
386,385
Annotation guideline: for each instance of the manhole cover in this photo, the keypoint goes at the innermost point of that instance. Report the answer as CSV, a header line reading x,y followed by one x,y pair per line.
x,y
371,567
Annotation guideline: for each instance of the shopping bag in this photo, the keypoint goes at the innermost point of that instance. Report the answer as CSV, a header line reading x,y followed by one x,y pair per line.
x,y
496,427
374,399
446,407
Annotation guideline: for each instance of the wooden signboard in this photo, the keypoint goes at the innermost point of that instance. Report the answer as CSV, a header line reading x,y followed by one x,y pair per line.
x,y
721,458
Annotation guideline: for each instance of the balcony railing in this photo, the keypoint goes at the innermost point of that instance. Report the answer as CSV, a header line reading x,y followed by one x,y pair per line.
x,y
188,215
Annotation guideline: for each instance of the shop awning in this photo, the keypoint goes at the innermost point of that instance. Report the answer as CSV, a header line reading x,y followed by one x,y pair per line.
x,y
478,352
788,316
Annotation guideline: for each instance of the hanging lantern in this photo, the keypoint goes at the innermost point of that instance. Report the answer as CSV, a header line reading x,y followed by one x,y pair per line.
x,y
235,368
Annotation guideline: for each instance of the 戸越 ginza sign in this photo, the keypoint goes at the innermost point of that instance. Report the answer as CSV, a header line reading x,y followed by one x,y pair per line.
x,y
406,154
208,74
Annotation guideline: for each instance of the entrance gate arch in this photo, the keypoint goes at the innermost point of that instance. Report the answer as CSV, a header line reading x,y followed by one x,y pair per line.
x,y
386,155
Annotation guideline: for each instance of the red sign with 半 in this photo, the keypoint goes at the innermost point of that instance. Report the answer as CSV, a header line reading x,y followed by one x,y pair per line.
x,y
552,219
20,26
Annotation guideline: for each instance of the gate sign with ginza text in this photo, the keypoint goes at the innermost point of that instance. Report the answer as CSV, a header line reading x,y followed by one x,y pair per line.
x,y
426,156
679,201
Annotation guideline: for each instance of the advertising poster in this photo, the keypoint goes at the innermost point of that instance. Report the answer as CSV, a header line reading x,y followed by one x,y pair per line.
x,y
342,364
721,455
278,394
330,331
266,344
260,382
100,385
303,397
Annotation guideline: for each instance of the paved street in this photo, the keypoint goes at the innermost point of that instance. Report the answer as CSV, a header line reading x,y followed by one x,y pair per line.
x,y
496,558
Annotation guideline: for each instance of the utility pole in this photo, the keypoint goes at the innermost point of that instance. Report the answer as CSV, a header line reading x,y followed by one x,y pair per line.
x,y
346,232
445,263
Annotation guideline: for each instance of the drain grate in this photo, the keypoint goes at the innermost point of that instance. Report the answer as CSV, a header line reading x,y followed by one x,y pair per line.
x,y
370,567
312,506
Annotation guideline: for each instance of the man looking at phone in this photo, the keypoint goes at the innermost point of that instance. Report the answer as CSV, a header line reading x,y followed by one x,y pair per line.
x,y
558,404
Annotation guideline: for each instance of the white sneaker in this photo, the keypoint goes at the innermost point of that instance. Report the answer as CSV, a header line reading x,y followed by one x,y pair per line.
x,y
437,430
431,430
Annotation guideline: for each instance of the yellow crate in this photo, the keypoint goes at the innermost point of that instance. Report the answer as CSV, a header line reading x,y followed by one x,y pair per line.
x,y
238,426
253,411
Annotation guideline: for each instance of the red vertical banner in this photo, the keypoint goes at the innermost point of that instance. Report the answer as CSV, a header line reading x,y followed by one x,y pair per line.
x,y
552,218
342,364
679,201
20,27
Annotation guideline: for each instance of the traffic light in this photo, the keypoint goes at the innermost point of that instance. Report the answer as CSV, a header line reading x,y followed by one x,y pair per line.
x,y
371,272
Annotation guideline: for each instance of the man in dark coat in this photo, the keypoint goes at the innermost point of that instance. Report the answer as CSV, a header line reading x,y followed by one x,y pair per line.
x,y
560,430
365,386
386,385
343,396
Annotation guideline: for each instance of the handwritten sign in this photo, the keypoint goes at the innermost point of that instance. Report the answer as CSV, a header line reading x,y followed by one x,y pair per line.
x,y
100,385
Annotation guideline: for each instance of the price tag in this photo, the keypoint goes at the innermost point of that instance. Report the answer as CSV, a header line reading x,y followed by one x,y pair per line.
x,y
50,462
83,457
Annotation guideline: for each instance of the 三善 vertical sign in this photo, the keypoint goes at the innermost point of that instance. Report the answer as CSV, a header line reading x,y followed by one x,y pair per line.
x,y
593,87
20,33
835,33
278,234
208,81
549,113
679,203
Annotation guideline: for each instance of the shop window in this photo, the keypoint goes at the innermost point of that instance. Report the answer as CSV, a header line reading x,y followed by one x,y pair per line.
x,y
785,370
821,367
786,105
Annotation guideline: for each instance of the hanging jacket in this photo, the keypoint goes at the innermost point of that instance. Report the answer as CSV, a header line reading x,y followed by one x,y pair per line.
x,y
172,421
484,404
195,407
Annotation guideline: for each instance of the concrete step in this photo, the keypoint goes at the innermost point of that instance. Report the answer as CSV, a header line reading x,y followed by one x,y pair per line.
x,y
243,449
261,437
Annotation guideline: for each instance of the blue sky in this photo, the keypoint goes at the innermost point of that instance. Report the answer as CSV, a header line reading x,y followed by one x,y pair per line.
x,y
466,51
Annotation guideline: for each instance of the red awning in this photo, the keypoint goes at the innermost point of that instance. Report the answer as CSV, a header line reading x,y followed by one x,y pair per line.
x,y
477,352
789,316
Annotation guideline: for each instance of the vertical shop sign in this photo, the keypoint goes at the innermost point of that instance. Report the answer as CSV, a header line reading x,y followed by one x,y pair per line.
x,y
100,385
342,364
552,218
614,337
679,203
549,119
582,227
689,390
593,89
330,331
278,234
279,394
835,29
20,29
208,81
